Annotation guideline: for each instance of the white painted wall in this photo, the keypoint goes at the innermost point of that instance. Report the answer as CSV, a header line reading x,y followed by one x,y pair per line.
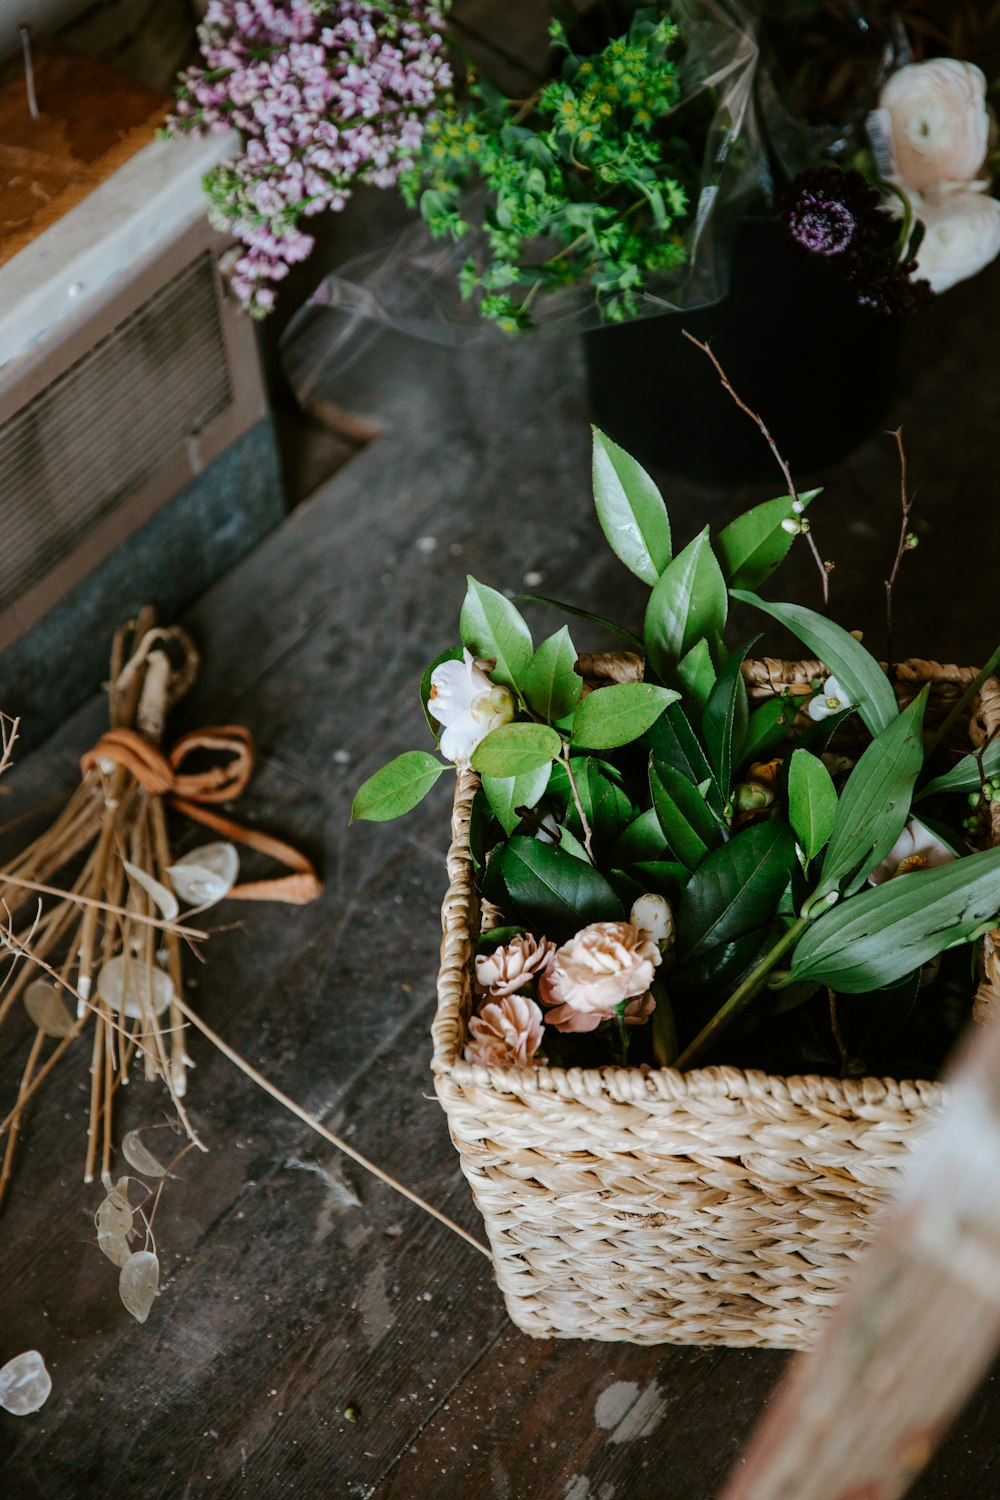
x,y
41,15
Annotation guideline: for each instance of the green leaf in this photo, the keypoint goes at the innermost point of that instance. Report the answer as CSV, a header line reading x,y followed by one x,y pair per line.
x,y
688,826
964,777
398,787
768,728
812,801
663,1029
551,683
486,942
581,614
688,602
696,674
735,890
556,893
874,805
724,722
516,750
674,743
883,934
492,627
702,983
606,806
857,671
631,511
455,654
642,839
752,546
664,877
507,793
618,714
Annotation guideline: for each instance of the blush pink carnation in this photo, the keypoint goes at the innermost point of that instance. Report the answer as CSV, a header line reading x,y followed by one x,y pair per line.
x,y
591,975
510,967
507,1033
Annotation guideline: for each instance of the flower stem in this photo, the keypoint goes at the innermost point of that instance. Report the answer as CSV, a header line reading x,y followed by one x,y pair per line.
x,y
623,1036
587,837
740,998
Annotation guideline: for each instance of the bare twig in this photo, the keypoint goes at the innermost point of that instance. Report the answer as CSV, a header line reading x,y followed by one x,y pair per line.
x,y
824,568
587,836
906,544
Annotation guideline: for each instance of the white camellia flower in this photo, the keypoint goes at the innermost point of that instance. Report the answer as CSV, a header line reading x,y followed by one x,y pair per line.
x,y
831,699
938,120
467,705
961,235
915,849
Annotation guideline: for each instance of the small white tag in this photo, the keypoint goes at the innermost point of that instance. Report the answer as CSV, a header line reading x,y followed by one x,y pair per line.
x,y
879,127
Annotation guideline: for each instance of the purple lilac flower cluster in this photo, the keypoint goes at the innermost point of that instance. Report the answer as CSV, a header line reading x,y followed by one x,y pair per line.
x,y
326,95
839,219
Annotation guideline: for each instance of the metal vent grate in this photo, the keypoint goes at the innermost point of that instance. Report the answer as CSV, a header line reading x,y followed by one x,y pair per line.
x,y
98,433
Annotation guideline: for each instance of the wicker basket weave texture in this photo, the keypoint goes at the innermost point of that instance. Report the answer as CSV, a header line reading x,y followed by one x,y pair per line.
x,y
712,1207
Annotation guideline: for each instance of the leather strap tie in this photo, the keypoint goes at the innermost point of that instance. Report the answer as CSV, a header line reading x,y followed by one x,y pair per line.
x,y
189,792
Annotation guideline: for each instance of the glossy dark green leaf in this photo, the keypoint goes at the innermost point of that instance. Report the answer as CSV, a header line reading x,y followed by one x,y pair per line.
x,y
704,981
768,729
631,511
687,822
397,787
551,683
857,671
618,714
641,839
507,793
555,893
674,743
751,547
883,934
663,1029
664,877
875,802
724,722
695,675
492,628
812,801
496,937
606,805
689,601
735,890
516,750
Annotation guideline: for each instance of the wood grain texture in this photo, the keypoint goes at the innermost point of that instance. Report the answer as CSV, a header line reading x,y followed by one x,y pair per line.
x,y
283,1305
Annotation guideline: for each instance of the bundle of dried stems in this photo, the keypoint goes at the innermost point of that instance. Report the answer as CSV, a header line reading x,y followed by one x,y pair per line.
x,y
110,845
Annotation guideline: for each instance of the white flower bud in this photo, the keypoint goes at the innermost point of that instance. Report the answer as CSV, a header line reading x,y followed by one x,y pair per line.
x,y
652,915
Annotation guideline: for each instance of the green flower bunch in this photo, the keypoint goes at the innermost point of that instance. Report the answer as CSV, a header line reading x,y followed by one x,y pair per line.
x,y
584,182
674,867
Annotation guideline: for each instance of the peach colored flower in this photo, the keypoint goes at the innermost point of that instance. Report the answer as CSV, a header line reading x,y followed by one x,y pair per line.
x,y
506,1034
510,967
589,977
939,122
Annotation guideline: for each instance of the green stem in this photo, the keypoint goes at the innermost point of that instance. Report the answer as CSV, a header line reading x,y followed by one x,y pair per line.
x,y
740,998
963,702
623,1036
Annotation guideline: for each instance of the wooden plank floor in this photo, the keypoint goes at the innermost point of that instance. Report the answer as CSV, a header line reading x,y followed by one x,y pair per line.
x,y
285,1302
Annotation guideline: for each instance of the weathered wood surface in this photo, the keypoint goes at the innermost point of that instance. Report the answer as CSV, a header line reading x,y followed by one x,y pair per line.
x,y
283,1304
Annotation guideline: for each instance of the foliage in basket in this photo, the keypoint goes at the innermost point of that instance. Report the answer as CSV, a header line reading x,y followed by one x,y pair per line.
x,y
667,866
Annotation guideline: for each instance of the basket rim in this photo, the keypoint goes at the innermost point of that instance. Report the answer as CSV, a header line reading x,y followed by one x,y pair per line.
x,y
667,1085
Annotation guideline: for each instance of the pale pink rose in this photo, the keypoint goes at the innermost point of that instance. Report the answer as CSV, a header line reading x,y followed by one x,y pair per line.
x,y
589,977
939,122
506,1034
513,965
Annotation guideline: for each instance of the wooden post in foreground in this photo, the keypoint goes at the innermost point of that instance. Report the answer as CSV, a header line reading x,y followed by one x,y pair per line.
x,y
859,1416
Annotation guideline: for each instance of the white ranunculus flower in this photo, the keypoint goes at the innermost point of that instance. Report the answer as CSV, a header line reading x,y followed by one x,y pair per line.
x,y
915,849
831,699
467,705
939,121
962,235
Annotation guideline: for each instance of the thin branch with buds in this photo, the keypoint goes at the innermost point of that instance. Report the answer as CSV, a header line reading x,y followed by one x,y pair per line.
x,y
824,568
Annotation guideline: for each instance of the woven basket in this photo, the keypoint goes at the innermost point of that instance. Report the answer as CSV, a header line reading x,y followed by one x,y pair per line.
x,y
711,1207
